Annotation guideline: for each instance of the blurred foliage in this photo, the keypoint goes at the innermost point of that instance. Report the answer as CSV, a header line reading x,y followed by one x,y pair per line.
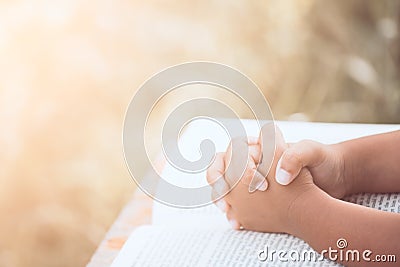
x,y
69,68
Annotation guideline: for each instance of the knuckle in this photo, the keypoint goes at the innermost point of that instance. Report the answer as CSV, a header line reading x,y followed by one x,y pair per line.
x,y
292,159
248,176
210,175
311,147
210,178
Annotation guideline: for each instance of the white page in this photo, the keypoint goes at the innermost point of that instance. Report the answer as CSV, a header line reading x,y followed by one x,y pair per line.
x,y
172,246
169,216
327,133
385,202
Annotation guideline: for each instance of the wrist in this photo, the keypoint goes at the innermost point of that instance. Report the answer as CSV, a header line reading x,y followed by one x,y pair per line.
x,y
306,212
346,168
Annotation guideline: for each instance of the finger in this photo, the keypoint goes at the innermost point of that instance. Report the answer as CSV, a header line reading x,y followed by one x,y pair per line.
x,y
232,221
236,159
219,189
253,178
215,178
216,169
255,153
222,205
251,145
238,149
252,140
302,154
259,182
270,137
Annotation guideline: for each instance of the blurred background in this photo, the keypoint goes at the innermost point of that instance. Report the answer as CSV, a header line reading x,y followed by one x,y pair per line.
x,y
69,69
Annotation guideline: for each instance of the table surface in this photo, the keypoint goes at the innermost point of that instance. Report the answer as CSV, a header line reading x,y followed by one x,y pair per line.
x,y
138,210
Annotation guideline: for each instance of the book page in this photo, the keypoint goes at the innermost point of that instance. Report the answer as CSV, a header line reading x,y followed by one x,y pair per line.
x,y
170,216
187,246
384,202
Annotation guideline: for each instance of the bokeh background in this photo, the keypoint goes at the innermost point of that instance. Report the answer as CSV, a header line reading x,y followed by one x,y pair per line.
x,y
69,68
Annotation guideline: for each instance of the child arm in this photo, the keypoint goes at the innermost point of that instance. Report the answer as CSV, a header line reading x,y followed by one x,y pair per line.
x,y
321,221
373,163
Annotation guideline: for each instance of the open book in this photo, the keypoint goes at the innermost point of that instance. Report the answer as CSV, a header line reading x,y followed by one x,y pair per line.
x,y
203,237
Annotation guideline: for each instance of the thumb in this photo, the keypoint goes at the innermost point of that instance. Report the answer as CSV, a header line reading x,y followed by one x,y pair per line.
x,y
302,154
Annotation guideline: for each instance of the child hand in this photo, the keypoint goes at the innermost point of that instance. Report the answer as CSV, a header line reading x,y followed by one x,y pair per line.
x,y
325,162
266,211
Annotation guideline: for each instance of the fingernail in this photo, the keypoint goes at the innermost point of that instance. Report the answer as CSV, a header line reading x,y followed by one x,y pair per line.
x,y
234,224
282,176
252,189
221,204
258,183
263,185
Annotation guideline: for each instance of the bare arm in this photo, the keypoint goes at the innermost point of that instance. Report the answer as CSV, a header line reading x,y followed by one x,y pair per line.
x,y
321,220
368,164
372,163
